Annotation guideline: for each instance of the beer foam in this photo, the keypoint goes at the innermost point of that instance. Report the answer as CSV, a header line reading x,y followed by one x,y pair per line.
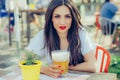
x,y
60,56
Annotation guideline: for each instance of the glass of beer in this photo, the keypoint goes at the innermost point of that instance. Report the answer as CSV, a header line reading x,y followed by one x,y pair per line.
x,y
61,58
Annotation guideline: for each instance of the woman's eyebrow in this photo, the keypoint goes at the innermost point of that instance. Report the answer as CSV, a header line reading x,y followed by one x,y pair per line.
x,y
68,14
56,14
60,14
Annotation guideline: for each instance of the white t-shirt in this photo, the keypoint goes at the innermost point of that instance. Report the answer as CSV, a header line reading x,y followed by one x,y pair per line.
x,y
37,43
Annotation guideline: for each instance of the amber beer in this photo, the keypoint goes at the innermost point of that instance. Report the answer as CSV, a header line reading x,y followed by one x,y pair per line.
x,y
61,58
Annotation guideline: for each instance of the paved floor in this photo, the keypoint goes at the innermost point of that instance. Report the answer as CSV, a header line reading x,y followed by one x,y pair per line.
x,y
8,58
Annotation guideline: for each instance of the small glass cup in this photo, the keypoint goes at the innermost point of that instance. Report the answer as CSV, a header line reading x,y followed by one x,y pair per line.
x,y
61,58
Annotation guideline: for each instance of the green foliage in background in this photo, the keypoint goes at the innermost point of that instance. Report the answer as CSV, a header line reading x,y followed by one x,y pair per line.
x,y
115,65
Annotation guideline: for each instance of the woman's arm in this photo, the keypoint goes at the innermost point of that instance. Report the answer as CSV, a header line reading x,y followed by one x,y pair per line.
x,y
89,65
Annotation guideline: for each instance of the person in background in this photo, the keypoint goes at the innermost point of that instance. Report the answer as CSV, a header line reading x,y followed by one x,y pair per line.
x,y
64,31
109,10
12,22
4,13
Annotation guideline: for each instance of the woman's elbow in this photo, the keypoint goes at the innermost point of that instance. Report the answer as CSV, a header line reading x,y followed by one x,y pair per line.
x,y
93,68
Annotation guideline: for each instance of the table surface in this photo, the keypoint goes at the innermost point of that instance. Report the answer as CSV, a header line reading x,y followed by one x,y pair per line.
x,y
72,75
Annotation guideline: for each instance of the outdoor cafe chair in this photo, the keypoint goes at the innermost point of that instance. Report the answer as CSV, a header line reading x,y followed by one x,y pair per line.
x,y
103,59
108,28
97,25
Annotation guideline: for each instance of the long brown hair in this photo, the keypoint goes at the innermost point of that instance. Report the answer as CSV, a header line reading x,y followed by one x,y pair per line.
x,y
52,41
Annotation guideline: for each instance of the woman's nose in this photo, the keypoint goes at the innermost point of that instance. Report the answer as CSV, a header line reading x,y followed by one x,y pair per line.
x,y
62,21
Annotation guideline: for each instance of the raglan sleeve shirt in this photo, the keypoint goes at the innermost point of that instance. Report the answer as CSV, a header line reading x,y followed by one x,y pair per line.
x,y
87,44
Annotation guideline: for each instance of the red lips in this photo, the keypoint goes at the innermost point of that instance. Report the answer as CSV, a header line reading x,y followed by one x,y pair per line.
x,y
62,27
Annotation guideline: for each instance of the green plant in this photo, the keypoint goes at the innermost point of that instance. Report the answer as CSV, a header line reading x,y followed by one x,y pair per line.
x,y
30,65
29,57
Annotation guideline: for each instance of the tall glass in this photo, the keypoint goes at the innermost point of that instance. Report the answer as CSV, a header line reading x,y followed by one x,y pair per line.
x,y
61,58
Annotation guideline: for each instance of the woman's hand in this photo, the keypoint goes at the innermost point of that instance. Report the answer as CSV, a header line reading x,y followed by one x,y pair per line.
x,y
51,70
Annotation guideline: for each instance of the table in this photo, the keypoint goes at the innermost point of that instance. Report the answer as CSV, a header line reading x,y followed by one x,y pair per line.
x,y
72,75
41,10
28,22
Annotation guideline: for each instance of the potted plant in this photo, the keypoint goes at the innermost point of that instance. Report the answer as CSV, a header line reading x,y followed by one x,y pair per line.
x,y
30,66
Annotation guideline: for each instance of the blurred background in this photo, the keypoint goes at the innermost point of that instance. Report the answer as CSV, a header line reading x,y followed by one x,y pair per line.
x,y
20,20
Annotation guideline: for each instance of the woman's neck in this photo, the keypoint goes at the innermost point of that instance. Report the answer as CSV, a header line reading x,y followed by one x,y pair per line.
x,y
62,36
63,41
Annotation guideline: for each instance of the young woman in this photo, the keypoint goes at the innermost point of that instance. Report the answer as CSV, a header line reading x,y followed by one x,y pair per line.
x,y
64,31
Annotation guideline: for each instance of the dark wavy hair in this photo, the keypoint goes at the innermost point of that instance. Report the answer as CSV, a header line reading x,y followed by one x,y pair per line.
x,y
52,40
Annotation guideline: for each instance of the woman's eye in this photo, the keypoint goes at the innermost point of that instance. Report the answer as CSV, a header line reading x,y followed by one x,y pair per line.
x,y
57,16
68,16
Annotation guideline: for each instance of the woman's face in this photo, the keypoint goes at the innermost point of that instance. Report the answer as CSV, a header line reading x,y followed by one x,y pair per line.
x,y
62,19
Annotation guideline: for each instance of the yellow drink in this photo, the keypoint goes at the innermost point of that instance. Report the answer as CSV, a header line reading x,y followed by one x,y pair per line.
x,y
64,66
61,58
